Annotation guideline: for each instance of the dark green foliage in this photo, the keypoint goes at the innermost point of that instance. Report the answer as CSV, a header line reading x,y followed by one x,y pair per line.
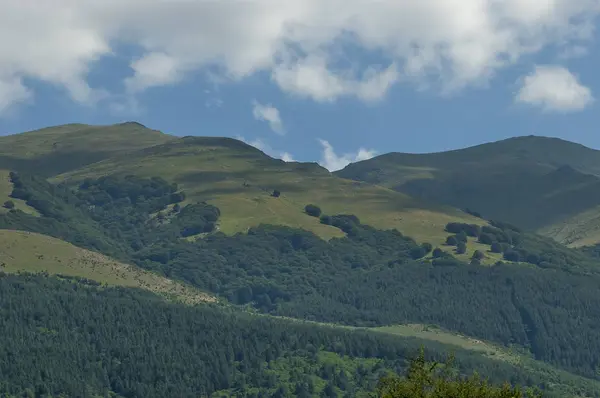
x,y
110,214
512,255
325,219
418,252
427,247
486,239
462,228
276,193
461,248
468,229
63,215
430,380
9,204
496,247
150,194
196,218
447,261
451,240
437,253
312,210
478,255
61,337
369,279
348,223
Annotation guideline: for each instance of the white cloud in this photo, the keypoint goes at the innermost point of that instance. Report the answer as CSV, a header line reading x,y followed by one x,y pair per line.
x,y
287,157
266,148
269,114
12,92
153,69
301,43
554,88
332,162
311,77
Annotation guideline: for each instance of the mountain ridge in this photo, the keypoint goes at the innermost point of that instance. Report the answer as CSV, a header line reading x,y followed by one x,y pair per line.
x,y
540,183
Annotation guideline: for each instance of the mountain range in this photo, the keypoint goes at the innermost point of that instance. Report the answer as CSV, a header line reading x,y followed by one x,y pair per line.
x,y
489,251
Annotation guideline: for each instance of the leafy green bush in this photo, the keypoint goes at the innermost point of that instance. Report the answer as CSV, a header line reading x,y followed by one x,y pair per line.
x,y
312,210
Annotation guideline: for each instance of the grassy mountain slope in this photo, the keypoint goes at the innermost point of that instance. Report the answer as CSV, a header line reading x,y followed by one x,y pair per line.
x,y
239,179
539,183
30,252
54,150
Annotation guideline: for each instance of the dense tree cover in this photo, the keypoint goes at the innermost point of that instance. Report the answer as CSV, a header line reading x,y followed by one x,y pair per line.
x,y
429,380
519,246
63,215
370,277
113,215
64,338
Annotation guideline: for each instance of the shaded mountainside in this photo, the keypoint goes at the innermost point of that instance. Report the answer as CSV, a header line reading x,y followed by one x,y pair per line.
x,y
538,183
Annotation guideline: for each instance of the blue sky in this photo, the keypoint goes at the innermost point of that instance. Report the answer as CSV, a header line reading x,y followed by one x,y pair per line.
x,y
330,81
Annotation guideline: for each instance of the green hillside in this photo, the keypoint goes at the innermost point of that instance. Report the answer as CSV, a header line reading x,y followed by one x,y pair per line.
x,y
54,150
219,216
541,184
30,252
369,277
239,180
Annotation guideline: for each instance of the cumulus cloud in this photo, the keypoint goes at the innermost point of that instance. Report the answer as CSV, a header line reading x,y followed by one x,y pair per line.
x,y
269,114
266,148
554,88
309,47
332,161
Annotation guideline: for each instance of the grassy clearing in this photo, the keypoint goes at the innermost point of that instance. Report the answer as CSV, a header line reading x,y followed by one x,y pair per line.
x,y
435,334
29,252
